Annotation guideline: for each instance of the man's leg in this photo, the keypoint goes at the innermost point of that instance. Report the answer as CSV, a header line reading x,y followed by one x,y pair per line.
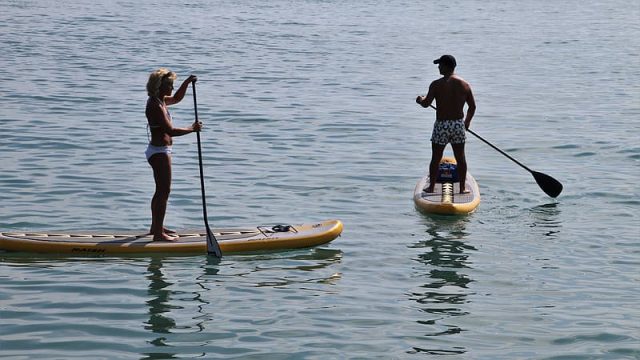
x,y
458,152
436,155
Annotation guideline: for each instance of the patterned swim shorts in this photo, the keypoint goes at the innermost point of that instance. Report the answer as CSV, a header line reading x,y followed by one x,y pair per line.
x,y
448,131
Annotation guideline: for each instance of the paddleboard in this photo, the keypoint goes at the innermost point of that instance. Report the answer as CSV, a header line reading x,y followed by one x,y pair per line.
x,y
231,240
446,199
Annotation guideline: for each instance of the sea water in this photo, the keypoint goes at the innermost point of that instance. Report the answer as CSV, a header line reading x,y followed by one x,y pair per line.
x,y
309,114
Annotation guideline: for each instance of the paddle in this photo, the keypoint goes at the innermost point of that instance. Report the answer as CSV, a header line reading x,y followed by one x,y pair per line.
x,y
213,248
549,185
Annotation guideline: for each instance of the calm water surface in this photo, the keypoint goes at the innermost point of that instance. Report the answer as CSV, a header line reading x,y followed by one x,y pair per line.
x,y
309,115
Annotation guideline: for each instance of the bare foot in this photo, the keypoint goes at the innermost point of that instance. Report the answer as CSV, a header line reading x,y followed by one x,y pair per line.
x,y
465,191
165,230
165,237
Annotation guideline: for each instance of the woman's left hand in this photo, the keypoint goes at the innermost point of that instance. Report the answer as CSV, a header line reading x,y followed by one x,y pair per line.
x,y
197,126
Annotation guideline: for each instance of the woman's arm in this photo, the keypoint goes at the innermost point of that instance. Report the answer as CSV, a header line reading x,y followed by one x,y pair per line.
x,y
161,120
182,90
184,131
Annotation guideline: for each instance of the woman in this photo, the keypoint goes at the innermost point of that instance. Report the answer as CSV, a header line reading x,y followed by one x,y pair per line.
x,y
159,88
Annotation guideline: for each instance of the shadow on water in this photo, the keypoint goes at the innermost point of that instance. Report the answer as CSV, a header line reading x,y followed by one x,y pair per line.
x,y
443,257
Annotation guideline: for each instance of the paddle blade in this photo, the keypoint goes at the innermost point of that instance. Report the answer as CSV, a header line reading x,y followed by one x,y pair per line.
x,y
213,248
548,184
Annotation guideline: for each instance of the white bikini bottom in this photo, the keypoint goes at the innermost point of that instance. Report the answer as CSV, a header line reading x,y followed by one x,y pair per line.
x,y
152,150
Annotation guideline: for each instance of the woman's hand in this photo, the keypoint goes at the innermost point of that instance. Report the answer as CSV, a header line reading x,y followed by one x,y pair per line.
x,y
191,79
196,126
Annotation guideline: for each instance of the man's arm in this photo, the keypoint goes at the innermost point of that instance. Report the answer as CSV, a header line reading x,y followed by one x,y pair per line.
x,y
471,110
425,101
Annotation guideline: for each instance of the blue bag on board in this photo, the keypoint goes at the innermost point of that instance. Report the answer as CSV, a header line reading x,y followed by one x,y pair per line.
x,y
447,172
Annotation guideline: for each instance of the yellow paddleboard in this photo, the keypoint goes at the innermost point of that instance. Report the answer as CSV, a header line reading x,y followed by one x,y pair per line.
x,y
232,240
446,199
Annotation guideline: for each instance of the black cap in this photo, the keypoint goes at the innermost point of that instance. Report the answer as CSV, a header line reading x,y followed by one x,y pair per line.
x,y
448,60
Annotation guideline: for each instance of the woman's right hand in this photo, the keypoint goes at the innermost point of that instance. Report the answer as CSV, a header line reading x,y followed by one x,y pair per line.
x,y
191,78
196,126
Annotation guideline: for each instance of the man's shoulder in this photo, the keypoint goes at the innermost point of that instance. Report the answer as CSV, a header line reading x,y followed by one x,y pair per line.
x,y
450,80
461,80
438,82
456,77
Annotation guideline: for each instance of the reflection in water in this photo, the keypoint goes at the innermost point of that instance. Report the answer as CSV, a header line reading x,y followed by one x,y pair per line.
x,y
302,267
545,217
445,288
310,263
159,321
161,305
288,268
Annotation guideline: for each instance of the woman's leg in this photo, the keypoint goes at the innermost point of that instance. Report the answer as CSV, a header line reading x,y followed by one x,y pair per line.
x,y
161,164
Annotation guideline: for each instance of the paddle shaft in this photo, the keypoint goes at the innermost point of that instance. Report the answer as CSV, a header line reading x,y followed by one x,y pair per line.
x,y
496,148
212,243
500,151
548,184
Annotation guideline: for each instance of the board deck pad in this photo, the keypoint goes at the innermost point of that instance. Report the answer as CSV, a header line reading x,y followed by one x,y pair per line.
x,y
458,198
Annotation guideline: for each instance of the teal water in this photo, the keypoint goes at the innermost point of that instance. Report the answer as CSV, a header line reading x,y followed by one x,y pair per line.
x,y
310,115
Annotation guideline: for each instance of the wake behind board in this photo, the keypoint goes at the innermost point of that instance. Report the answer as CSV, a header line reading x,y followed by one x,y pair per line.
x,y
232,240
446,199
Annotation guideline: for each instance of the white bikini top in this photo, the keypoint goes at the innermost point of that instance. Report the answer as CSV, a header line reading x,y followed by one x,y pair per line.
x,y
166,110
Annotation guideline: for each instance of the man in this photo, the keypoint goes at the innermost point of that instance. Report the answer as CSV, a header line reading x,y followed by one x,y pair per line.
x,y
451,92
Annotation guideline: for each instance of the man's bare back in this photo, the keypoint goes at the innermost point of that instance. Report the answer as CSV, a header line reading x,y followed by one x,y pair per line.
x,y
451,93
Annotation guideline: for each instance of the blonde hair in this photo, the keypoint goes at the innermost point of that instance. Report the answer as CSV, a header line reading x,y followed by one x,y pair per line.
x,y
157,78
